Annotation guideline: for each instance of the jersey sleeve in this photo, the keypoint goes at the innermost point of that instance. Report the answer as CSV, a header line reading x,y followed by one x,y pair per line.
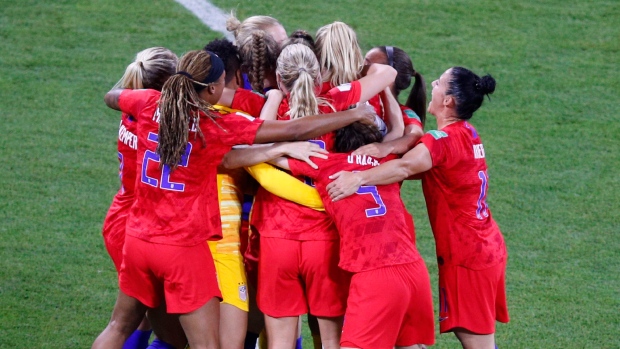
x,y
436,142
345,95
232,129
248,101
133,101
410,117
301,168
286,186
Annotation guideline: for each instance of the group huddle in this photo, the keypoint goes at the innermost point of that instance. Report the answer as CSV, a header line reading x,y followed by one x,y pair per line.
x,y
260,181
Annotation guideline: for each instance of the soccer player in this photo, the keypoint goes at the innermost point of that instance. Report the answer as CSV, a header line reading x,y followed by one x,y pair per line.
x,y
471,252
181,140
259,39
390,302
150,69
289,231
342,63
414,109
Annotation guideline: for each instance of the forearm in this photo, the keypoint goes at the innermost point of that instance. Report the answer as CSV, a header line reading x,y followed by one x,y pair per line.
x,y
395,119
305,128
253,155
393,171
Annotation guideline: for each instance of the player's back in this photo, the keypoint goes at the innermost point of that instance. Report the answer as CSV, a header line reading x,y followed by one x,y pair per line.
x,y
374,226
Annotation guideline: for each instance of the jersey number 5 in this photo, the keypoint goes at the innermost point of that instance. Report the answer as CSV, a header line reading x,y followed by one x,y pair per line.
x,y
372,190
164,182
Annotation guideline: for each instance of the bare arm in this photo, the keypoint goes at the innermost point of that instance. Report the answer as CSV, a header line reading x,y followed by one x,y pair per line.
x,y
378,77
415,161
397,146
111,98
312,126
394,114
270,109
261,153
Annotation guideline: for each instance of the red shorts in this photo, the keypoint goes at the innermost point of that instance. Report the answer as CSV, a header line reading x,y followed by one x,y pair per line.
x,y
184,276
472,299
296,275
114,228
389,306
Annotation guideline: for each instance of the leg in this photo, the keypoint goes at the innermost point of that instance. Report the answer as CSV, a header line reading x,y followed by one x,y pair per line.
x,y
167,327
470,340
233,326
256,320
127,315
282,332
202,325
330,329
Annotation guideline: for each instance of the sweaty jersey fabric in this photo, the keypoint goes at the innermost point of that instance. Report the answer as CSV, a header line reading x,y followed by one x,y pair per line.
x,y
455,189
180,207
373,226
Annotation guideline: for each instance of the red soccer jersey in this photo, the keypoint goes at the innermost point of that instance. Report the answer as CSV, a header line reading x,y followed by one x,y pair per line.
x,y
455,190
373,224
274,216
248,101
180,207
409,116
127,150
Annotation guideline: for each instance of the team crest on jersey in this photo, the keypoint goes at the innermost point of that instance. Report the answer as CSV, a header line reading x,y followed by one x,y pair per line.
x,y
243,293
411,114
344,87
437,134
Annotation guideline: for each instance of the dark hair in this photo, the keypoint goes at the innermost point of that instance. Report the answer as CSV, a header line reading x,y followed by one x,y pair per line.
x,y
229,54
404,69
180,106
354,136
300,36
469,90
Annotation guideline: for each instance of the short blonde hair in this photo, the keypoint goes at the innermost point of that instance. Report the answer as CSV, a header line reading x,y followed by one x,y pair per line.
x,y
339,53
150,69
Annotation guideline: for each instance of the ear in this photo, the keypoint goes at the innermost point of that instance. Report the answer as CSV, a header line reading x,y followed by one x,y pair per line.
x,y
449,101
239,77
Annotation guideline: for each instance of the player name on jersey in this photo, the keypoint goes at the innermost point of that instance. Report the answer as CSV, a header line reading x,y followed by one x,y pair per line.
x,y
362,160
127,137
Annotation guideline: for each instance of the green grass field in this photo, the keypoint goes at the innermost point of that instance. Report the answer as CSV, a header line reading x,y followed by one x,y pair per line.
x,y
550,130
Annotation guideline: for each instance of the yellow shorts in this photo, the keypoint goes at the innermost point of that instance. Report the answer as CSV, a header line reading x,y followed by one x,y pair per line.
x,y
231,278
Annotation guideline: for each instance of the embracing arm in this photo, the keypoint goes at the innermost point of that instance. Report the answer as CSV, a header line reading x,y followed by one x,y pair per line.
x,y
312,126
377,78
270,109
415,161
259,153
397,146
395,115
111,98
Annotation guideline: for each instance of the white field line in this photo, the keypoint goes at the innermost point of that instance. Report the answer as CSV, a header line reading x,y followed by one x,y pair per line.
x,y
209,14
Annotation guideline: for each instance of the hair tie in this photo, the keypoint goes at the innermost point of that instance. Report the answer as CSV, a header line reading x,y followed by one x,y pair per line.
x,y
389,50
181,72
217,68
302,70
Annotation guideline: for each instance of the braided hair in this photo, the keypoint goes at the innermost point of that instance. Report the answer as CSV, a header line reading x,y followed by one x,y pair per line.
x,y
181,107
